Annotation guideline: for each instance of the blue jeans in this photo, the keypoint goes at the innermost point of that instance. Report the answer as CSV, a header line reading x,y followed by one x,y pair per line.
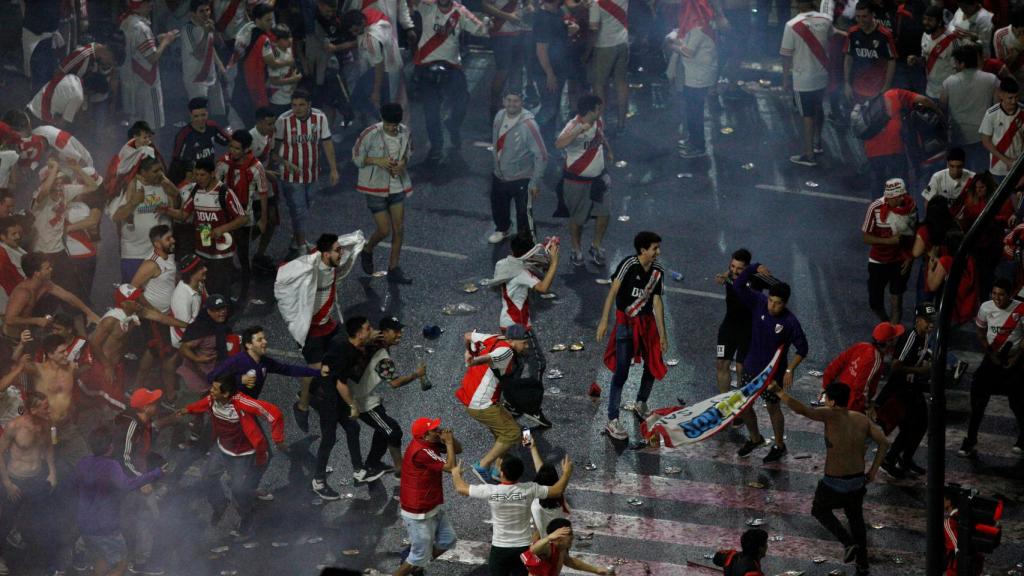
x,y
427,534
298,197
623,358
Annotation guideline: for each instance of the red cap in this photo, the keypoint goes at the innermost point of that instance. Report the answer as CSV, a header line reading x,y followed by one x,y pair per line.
x,y
144,397
423,425
126,292
885,332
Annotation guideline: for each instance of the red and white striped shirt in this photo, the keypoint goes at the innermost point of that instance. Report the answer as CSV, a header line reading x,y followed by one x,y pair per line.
x,y
80,61
300,144
440,39
584,156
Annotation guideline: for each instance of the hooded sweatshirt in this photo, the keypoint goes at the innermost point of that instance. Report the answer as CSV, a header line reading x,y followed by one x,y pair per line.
x,y
519,151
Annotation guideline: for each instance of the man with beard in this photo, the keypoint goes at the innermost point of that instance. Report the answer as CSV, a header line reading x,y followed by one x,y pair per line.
x,y
937,45
156,278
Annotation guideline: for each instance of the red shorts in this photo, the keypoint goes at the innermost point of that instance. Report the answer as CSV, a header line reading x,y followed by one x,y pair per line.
x,y
94,383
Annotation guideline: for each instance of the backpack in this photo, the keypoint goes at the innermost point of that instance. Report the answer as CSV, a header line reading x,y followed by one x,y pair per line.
x,y
927,134
869,118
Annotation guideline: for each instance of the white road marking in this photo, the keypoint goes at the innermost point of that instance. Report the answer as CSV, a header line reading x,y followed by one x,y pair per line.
x,y
840,197
431,251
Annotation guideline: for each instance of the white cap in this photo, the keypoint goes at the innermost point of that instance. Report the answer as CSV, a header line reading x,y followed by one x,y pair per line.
x,y
895,187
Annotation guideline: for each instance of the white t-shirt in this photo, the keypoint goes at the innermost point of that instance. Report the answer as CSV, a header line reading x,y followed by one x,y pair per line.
x,y
380,368
994,125
700,60
809,74
611,31
68,97
943,185
135,244
8,159
543,516
969,94
510,510
516,292
992,319
185,306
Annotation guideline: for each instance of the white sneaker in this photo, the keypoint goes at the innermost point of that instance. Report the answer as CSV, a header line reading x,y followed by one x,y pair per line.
x,y
3,567
640,408
359,475
615,430
497,236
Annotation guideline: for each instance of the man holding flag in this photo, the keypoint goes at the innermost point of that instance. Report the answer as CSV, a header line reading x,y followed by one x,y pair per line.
x,y
773,325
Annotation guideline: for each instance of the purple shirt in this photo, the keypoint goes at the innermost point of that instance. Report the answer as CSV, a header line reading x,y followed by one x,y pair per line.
x,y
240,364
767,332
101,484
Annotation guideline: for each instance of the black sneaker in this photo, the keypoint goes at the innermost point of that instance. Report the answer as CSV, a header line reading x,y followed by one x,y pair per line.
x,y
324,491
146,569
775,454
968,449
373,473
850,554
749,446
511,410
892,468
538,419
366,262
396,276
301,417
912,467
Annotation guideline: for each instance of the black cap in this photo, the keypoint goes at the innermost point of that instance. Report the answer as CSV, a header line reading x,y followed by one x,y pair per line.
x,y
216,302
925,310
390,323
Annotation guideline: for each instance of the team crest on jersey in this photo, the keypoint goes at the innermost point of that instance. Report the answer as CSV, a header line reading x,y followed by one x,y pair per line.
x,y
1015,316
778,328
875,43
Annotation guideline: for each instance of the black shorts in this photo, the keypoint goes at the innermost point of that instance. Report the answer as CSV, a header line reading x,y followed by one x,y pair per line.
x,y
733,341
316,346
768,396
809,103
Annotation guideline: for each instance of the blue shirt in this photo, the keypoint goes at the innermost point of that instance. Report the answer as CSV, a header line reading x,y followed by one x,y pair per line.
x,y
240,364
767,332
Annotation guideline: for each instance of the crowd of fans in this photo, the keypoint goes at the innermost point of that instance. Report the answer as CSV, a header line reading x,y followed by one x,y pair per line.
x,y
263,89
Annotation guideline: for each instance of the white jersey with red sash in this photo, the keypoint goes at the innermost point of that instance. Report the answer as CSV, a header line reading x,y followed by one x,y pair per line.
x,y
611,18
228,16
123,167
1002,326
1007,44
1005,131
584,156
804,40
481,387
140,78
326,294
938,59
197,54
440,39
61,98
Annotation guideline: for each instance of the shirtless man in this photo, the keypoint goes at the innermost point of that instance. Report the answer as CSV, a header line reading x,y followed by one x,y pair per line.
x,y
37,284
845,481
28,474
113,333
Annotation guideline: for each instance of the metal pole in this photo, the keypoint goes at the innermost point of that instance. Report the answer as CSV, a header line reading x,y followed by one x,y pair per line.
x,y
936,546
